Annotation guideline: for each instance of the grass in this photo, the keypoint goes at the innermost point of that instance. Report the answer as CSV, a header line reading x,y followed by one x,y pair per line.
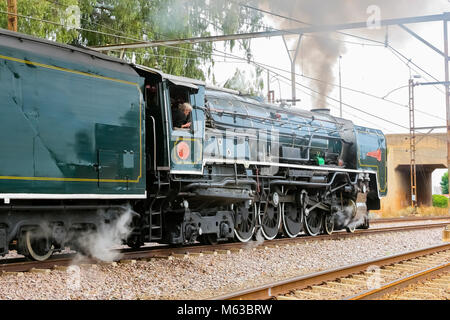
x,y
409,212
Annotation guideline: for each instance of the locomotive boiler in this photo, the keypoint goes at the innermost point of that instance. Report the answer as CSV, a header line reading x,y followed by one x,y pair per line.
x,y
86,137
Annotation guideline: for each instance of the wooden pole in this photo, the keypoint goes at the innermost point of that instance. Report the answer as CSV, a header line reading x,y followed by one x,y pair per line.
x,y
12,18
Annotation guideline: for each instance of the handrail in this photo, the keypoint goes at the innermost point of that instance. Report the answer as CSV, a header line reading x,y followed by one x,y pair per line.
x,y
154,142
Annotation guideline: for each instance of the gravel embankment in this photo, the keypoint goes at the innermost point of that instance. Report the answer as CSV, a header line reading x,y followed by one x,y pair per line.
x,y
208,276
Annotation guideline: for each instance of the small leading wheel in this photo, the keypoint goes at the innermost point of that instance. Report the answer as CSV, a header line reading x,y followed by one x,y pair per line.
x,y
313,222
351,228
36,245
134,243
328,223
244,222
270,220
292,219
209,239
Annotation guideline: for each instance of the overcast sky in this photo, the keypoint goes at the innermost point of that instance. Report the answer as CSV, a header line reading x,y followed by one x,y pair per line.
x,y
375,70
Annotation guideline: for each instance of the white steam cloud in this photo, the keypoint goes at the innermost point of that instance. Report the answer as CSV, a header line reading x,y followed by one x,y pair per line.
x,y
99,244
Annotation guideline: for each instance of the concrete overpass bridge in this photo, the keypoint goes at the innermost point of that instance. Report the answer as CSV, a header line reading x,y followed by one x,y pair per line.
x,y
431,154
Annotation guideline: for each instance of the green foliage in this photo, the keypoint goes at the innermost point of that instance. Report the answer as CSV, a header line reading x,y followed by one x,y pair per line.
x,y
440,201
43,10
251,84
137,20
444,183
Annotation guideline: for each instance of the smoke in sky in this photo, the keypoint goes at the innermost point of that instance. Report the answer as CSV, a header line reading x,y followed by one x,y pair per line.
x,y
320,52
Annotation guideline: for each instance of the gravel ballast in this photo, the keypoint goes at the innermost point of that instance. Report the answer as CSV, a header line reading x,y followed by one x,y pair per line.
x,y
206,276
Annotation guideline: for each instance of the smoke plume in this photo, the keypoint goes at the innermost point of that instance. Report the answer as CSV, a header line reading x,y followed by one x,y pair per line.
x,y
320,52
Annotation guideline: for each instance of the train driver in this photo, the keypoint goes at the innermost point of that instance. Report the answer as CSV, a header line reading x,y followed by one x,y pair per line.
x,y
181,117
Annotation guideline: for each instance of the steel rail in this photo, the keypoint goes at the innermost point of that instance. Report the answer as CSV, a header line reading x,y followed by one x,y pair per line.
x,y
402,283
408,219
269,291
23,265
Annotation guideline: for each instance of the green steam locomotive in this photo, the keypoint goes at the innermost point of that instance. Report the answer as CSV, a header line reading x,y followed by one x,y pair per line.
x,y
87,137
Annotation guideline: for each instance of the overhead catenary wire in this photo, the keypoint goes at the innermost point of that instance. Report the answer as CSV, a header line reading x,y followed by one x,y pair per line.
x,y
62,25
407,62
126,37
353,90
336,85
343,33
298,89
270,68
378,43
337,108
329,97
344,103
88,30
254,8
197,51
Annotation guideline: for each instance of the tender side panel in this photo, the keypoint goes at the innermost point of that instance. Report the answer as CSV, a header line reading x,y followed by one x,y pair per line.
x,y
68,126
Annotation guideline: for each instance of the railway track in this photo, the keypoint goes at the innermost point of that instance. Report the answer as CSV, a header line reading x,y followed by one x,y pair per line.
x,y
408,219
165,252
381,278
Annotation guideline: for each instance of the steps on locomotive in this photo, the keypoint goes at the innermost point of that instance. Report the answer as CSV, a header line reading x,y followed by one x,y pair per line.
x,y
155,229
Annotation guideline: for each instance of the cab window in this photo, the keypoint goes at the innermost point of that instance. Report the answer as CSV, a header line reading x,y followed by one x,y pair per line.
x,y
181,110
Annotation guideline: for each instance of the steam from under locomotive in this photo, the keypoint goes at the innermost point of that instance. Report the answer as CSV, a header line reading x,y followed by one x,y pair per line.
x,y
99,244
320,52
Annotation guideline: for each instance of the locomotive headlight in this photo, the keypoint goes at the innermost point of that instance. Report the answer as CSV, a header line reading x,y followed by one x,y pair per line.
x,y
183,150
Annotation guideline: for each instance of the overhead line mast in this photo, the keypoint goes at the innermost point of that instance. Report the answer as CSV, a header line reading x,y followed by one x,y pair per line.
x,y
265,34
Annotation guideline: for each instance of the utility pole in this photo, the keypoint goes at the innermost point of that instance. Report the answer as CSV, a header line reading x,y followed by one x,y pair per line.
x,y
412,142
340,87
12,18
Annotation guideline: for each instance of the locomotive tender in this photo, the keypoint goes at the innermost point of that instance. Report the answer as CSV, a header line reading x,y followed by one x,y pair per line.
x,y
85,137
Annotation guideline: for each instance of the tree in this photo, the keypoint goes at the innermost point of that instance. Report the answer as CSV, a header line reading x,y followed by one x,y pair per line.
x,y
444,183
42,10
246,83
120,21
123,21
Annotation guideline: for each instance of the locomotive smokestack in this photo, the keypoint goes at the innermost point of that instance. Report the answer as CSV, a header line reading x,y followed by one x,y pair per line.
x,y
323,111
